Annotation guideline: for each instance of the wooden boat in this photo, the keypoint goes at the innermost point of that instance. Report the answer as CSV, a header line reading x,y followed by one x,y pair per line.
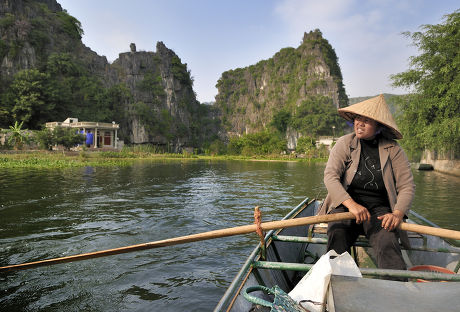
x,y
291,252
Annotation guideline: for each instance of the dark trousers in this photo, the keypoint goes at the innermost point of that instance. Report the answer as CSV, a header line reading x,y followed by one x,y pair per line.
x,y
343,234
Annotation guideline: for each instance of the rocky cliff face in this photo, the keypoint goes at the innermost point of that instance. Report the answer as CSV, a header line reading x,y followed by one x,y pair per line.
x,y
163,104
250,97
159,106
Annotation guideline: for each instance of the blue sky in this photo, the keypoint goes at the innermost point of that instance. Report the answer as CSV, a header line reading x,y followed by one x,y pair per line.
x,y
213,36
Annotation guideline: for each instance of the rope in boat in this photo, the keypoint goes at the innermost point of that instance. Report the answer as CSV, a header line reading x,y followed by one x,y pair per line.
x,y
259,231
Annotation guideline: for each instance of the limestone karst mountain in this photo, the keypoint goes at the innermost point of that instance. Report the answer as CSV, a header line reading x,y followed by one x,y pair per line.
x,y
303,83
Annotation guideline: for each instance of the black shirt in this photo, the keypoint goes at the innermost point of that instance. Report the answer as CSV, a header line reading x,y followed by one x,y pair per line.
x,y
367,187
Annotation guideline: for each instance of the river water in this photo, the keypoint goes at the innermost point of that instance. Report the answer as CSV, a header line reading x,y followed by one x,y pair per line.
x,y
54,213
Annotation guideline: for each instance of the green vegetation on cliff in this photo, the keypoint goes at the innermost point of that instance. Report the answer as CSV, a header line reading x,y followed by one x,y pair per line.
x,y
60,89
315,116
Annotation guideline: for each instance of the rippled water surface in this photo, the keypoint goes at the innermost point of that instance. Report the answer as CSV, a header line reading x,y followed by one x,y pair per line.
x,y
54,213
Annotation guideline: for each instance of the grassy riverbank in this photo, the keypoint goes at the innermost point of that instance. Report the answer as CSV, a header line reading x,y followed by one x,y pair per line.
x,y
60,159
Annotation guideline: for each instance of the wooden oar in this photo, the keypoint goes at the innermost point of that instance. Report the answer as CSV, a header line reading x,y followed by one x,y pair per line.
x,y
245,229
429,230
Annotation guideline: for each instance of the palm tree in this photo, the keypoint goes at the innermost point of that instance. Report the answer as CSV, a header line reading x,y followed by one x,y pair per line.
x,y
17,136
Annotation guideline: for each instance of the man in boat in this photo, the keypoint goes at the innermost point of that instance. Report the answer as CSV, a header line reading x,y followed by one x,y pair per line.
x,y
369,175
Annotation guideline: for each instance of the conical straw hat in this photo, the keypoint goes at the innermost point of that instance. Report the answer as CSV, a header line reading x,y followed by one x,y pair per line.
x,y
375,108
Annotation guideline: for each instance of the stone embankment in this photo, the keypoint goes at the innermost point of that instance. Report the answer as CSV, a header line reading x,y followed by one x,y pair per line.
x,y
442,162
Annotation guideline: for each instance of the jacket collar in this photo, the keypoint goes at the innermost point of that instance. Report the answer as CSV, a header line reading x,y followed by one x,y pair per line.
x,y
384,146
354,142
383,143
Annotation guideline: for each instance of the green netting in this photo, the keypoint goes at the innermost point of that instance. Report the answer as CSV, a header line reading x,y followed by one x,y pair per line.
x,y
281,303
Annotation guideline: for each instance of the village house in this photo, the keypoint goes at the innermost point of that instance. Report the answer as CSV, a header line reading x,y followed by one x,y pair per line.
x,y
326,141
98,134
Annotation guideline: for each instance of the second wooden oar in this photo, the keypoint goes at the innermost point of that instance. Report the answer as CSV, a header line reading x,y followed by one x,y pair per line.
x,y
245,229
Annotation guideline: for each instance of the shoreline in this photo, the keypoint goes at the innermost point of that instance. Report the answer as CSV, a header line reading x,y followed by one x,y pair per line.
x,y
40,159
70,159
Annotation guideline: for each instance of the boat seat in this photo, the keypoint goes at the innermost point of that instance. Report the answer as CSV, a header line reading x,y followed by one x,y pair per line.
x,y
320,228
363,294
